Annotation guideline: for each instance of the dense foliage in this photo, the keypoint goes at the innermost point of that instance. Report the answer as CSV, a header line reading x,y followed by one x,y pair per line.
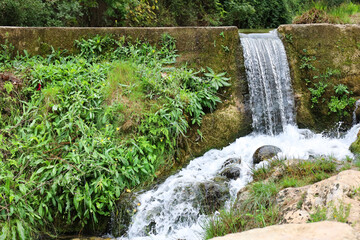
x,y
79,130
241,13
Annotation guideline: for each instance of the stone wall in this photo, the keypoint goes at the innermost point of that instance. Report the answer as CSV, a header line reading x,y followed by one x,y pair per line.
x,y
327,53
214,47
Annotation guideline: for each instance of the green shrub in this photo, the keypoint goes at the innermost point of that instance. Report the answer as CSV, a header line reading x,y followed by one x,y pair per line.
x,y
262,14
23,13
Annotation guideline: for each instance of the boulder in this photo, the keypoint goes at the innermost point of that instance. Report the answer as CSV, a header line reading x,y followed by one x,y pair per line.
x,y
213,196
231,172
309,231
265,152
338,197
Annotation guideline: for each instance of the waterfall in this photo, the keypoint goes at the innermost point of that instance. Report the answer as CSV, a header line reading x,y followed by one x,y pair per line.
x,y
357,104
172,210
268,76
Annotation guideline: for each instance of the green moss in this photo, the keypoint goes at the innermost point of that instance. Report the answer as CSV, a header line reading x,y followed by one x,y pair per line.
x,y
355,146
333,47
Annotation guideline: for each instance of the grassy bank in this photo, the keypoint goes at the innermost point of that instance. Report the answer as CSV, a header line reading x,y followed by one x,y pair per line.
x,y
256,205
79,130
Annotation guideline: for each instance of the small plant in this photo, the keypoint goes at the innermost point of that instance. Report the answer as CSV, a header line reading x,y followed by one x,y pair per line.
x,y
6,51
317,92
261,173
8,87
225,48
306,62
319,215
301,202
341,213
289,182
217,80
225,222
289,38
341,103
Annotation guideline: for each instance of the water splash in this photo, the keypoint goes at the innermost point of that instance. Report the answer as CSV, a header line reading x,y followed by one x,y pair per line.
x,y
168,212
268,76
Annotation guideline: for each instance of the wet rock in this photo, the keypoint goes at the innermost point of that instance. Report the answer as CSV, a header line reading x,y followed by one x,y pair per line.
x,y
231,172
231,161
123,212
213,196
265,152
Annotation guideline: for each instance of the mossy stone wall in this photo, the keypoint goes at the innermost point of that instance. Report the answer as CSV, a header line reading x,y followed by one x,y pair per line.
x,y
326,47
214,47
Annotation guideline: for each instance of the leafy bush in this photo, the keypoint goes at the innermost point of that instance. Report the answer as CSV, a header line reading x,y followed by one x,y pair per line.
x,y
82,129
23,13
262,14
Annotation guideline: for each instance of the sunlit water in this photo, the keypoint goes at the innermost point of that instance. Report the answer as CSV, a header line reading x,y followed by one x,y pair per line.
x,y
168,208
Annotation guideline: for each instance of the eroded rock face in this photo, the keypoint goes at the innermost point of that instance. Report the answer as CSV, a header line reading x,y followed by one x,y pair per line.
x,y
328,48
265,152
333,195
309,231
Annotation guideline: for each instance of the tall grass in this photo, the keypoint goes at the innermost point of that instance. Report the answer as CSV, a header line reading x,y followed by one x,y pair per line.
x,y
336,13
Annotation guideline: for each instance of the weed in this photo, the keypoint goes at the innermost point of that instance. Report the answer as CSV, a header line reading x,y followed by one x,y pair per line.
x,y
289,182
307,62
6,51
301,201
319,215
258,210
317,92
225,48
341,103
341,213
225,222
289,38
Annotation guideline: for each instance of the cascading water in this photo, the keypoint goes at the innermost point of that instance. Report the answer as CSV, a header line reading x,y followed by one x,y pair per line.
x,y
172,210
357,105
268,75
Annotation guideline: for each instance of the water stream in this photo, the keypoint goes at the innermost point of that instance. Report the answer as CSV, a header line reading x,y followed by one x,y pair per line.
x,y
172,211
357,105
168,207
268,75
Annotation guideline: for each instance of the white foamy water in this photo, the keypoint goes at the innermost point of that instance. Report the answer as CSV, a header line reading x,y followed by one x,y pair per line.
x,y
268,75
168,211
